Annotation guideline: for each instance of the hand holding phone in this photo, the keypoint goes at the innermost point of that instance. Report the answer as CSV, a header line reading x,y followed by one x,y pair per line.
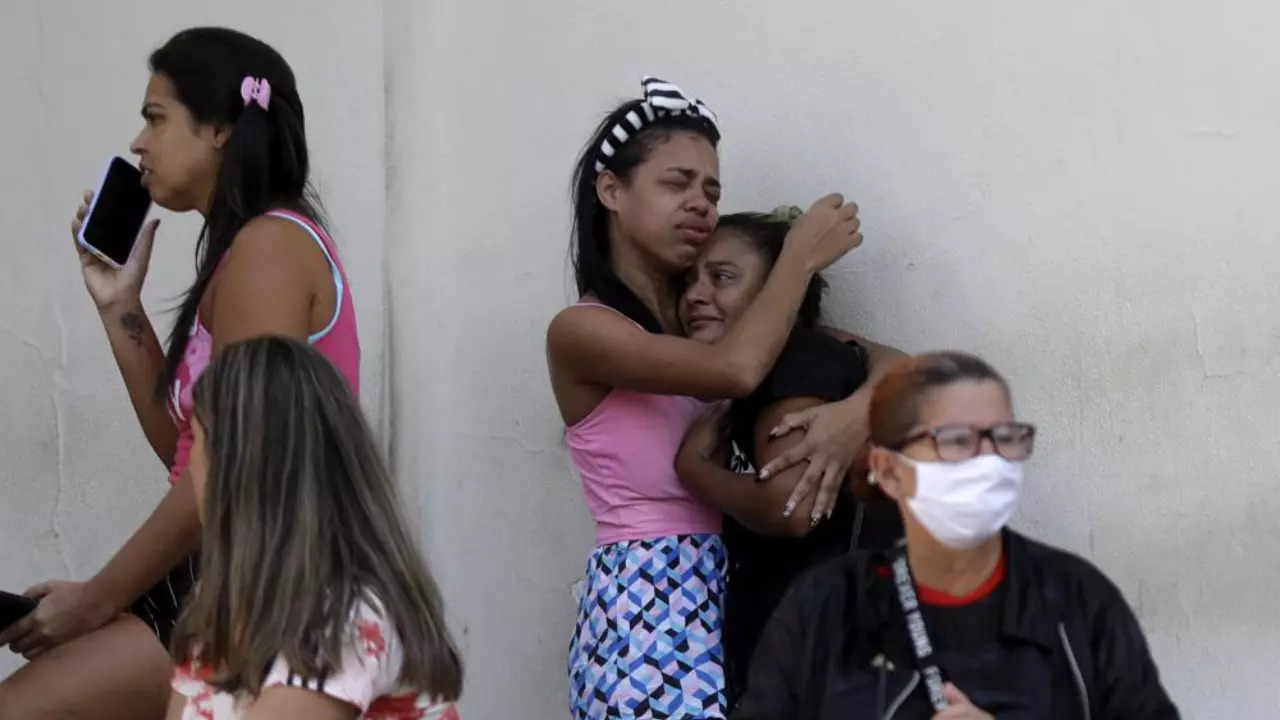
x,y
13,608
115,214
114,255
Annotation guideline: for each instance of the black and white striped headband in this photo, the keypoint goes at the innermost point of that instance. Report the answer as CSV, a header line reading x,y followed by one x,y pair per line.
x,y
661,99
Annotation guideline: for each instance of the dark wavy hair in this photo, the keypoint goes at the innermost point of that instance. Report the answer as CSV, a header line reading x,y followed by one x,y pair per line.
x,y
766,233
593,272
264,163
301,523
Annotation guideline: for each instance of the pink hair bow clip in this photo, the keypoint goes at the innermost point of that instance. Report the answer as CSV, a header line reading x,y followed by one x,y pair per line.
x,y
256,90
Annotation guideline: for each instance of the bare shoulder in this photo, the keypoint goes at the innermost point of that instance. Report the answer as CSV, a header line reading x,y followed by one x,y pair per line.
x,y
586,323
269,238
279,251
274,276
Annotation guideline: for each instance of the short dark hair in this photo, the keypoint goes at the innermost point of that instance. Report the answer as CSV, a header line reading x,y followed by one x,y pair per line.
x,y
766,233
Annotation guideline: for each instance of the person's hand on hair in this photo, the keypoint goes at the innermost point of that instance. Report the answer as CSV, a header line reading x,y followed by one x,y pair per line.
x,y
787,213
108,286
66,611
825,232
833,434
959,707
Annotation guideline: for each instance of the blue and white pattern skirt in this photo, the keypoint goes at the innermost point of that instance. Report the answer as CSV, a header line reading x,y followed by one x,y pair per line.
x,y
647,643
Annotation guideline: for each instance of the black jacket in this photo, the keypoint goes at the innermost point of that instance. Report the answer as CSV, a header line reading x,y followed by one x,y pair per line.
x,y
837,646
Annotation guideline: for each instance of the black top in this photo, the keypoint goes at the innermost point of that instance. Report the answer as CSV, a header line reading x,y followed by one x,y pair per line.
x,y
812,364
1063,639
761,568
966,646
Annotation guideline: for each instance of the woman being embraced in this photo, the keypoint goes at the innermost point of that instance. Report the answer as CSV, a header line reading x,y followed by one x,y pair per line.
x,y
820,364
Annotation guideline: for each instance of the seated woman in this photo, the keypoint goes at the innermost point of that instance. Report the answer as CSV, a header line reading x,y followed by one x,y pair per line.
x,y
313,600
766,548
967,619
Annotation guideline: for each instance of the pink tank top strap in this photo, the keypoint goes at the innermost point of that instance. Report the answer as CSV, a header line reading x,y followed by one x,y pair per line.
x,y
624,453
616,311
339,341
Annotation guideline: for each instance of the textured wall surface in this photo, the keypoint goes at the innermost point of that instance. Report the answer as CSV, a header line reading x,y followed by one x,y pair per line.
x,y
1082,193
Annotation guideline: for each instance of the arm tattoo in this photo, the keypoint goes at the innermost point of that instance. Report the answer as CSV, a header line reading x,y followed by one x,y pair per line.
x,y
135,325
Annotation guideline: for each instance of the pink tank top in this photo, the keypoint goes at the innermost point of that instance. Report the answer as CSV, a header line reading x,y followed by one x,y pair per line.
x,y
624,451
339,341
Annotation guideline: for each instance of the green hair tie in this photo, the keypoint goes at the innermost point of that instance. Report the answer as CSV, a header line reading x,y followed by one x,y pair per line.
x,y
786,213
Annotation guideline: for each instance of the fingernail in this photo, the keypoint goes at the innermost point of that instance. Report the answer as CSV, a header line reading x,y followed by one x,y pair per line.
x,y
764,474
773,434
813,521
788,510
829,513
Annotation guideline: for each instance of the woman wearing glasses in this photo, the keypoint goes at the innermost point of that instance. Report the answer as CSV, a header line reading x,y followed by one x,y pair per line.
x,y
967,619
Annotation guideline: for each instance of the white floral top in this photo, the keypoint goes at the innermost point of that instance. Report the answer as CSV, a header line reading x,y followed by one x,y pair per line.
x,y
367,680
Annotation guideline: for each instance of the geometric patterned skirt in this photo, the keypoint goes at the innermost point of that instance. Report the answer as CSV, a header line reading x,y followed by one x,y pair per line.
x,y
647,642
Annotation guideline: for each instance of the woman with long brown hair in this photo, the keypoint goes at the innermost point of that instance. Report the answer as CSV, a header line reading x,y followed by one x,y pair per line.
x,y
313,601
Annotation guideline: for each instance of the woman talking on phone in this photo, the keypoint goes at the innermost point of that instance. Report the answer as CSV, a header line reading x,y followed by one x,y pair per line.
x,y
224,136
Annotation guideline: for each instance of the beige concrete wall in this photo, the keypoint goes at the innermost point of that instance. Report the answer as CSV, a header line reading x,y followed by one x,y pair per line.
x,y
1081,192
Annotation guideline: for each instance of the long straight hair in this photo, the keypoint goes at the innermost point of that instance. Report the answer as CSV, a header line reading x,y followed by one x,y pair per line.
x,y
264,163
301,524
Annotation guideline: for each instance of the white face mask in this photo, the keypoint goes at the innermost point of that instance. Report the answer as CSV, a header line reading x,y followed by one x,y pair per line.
x,y
962,504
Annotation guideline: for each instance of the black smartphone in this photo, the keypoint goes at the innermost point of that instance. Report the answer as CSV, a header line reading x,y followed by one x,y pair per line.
x,y
116,214
13,608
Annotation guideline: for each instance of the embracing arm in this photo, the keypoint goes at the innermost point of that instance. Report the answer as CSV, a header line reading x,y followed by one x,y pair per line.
x,y
880,358
596,346
754,504
593,347
833,433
